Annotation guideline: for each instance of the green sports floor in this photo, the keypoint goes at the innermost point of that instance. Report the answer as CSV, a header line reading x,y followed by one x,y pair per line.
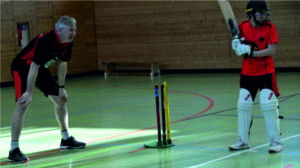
x,y
115,116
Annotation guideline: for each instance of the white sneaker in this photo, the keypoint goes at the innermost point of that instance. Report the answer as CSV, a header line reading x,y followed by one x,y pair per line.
x,y
275,147
239,145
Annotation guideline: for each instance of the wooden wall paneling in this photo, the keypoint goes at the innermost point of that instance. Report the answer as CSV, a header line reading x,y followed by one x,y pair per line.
x,y
90,33
69,4
24,9
6,59
162,26
8,36
280,4
115,4
39,26
89,10
80,31
180,34
6,10
78,49
43,10
91,47
43,26
177,33
203,6
70,8
287,52
235,61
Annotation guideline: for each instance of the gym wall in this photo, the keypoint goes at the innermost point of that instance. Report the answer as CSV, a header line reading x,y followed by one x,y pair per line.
x,y
178,35
185,34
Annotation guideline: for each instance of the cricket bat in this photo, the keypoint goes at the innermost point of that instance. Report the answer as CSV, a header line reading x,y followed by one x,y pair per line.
x,y
229,17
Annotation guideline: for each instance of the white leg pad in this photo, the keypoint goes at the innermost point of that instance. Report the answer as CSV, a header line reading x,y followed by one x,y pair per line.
x,y
269,107
245,108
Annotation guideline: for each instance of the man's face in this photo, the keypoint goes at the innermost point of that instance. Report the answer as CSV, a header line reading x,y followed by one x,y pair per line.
x,y
67,34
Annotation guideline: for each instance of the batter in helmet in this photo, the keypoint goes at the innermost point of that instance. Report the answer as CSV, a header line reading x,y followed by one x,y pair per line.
x,y
258,12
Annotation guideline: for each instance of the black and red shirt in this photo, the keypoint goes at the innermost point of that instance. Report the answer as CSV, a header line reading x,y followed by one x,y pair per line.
x,y
45,50
261,37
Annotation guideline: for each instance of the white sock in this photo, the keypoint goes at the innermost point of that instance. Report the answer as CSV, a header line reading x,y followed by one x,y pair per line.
x,y
14,145
65,134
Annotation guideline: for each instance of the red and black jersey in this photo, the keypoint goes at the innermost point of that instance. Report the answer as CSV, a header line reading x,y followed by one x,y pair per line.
x,y
259,38
44,50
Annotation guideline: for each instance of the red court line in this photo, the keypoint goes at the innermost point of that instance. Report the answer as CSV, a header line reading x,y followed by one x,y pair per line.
x,y
41,154
140,149
133,132
4,163
186,118
197,114
36,155
290,165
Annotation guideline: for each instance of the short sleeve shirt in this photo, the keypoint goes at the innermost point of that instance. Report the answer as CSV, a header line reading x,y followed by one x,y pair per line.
x,y
259,38
46,49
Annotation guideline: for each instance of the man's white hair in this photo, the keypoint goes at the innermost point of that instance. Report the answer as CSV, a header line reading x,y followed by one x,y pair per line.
x,y
64,21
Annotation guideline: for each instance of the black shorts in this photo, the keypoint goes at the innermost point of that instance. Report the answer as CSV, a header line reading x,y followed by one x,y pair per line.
x,y
44,81
253,83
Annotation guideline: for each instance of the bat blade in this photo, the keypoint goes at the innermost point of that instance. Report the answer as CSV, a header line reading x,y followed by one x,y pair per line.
x,y
229,17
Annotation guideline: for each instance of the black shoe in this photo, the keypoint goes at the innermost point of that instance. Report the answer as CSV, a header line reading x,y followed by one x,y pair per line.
x,y
16,156
71,143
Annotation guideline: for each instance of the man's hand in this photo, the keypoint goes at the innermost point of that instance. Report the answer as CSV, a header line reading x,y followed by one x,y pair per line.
x,y
25,99
63,96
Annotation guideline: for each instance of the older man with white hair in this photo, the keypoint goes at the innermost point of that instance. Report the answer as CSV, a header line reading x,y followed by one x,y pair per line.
x,y
31,68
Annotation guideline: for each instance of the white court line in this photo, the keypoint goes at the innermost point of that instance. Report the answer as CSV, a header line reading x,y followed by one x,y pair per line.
x,y
238,153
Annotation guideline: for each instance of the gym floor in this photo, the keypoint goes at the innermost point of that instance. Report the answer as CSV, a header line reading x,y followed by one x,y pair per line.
x,y
115,116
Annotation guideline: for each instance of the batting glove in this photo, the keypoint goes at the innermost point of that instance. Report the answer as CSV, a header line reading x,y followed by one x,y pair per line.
x,y
235,43
243,49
